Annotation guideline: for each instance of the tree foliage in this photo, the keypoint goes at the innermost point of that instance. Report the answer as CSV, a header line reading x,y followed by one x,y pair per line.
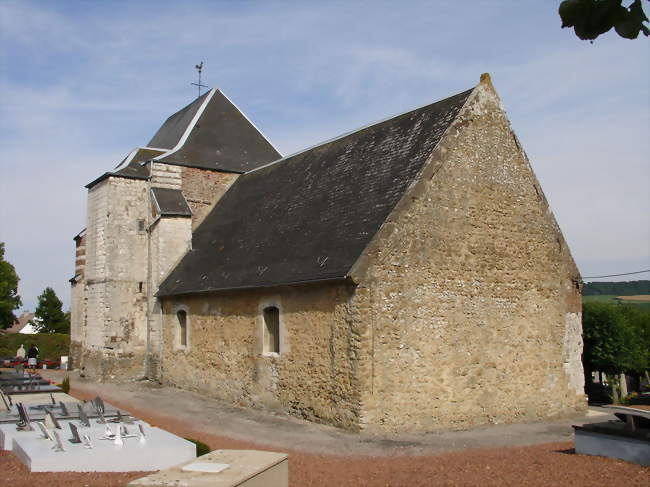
x,y
9,298
627,288
616,338
591,18
50,317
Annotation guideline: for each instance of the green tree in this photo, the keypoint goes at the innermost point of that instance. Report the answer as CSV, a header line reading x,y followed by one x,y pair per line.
x,y
637,320
50,317
591,18
9,298
616,341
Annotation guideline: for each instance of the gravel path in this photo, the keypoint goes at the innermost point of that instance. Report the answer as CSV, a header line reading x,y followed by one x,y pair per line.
x,y
394,463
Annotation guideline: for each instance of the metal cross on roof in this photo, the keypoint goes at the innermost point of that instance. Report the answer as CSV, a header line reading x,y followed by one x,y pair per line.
x,y
199,68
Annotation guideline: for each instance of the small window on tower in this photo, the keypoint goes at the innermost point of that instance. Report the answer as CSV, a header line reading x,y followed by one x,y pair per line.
x,y
182,328
141,227
271,330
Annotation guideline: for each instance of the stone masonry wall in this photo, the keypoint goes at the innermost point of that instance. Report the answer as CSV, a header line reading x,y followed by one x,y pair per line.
x,y
77,300
468,296
165,175
313,377
77,319
203,188
115,314
170,239
95,268
115,278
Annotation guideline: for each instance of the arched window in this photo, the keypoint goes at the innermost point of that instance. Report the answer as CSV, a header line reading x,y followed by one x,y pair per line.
x,y
181,315
271,330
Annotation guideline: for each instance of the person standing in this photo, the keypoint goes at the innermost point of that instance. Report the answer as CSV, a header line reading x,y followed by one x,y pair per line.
x,y
32,357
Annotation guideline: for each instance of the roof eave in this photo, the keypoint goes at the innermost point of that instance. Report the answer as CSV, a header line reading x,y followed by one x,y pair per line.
x,y
255,286
107,175
195,166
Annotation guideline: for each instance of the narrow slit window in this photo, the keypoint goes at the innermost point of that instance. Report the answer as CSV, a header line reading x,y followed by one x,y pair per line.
x,y
182,327
271,330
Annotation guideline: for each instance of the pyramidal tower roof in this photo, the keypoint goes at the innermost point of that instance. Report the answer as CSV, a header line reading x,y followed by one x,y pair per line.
x,y
212,133
209,133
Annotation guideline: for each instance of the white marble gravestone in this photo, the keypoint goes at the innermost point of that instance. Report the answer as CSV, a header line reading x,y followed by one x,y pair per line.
x,y
162,450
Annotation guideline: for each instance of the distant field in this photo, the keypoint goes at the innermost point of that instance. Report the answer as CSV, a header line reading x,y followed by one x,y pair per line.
x,y
641,300
598,298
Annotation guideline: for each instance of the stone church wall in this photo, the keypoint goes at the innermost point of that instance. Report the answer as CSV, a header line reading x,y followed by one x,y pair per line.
x,y
469,293
114,328
78,299
170,238
115,316
203,188
313,377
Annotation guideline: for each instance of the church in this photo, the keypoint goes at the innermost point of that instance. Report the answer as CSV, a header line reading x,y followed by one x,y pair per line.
x,y
408,276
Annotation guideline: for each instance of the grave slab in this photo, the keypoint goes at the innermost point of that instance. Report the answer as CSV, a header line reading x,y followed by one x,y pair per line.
x,y
224,468
20,381
8,431
608,445
30,389
39,398
161,450
36,410
12,415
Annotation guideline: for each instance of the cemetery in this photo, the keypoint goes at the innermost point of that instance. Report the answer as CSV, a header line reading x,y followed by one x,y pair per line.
x,y
50,431
104,430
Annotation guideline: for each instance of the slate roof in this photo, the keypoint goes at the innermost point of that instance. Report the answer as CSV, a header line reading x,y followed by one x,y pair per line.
x,y
170,202
131,167
209,133
170,133
221,138
309,217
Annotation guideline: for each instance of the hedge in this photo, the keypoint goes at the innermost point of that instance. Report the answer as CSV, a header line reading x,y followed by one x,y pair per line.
x,y
50,345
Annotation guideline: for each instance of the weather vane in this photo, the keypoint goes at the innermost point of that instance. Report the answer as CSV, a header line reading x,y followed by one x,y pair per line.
x,y
199,68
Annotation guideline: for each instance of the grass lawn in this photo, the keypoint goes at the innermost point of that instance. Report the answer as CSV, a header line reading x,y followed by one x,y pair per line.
x,y
639,301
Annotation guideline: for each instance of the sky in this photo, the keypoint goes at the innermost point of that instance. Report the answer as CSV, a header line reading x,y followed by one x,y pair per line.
x,y
83,82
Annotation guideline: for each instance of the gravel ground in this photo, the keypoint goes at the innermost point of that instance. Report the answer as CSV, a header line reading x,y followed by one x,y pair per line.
x,y
14,474
548,464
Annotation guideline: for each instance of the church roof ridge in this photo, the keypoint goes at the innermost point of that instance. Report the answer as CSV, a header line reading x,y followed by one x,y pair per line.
x,y
350,132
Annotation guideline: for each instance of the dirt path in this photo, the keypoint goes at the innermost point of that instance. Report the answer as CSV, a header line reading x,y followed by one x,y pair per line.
x,y
281,432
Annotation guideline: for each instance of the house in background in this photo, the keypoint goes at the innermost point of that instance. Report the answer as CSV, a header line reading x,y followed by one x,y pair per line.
x,y
23,324
408,276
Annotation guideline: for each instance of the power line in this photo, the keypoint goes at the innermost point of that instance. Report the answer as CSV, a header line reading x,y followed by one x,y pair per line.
x,y
616,275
